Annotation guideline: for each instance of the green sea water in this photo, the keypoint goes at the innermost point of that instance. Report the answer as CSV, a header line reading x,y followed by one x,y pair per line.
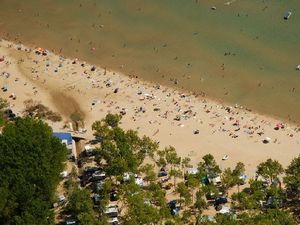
x,y
243,53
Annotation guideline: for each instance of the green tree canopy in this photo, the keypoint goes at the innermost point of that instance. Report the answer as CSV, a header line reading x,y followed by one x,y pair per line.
x,y
81,206
31,160
140,212
274,217
270,169
210,164
123,151
292,178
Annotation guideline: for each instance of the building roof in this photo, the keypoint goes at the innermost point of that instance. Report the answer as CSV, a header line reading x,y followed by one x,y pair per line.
x,y
63,137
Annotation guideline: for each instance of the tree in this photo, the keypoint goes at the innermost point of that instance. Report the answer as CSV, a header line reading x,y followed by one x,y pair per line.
x,y
184,193
123,151
228,179
113,120
104,127
210,164
185,163
161,161
148,170
31,160
158,198
258,189
292,178
232,178
244,201
172,157
239,169
192,183
200,203
274,217
202,172
270,169
225,220
237,172
81,206
148,147
139,210
175,173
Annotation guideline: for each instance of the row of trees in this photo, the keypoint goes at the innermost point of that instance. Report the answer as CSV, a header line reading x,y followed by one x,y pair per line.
x,y
31,160
125,152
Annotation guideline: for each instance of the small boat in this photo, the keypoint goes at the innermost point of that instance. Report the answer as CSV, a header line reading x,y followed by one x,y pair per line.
x,y
225,157
287,15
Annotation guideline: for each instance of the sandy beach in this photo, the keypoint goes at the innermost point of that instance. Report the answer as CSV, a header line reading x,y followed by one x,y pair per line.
x,y
192,124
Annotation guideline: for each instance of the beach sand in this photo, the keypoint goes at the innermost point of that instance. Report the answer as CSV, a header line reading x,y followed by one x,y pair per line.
x,y
162,113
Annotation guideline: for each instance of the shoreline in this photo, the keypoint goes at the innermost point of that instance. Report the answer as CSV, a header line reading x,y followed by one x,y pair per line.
x,y
152,83
161,105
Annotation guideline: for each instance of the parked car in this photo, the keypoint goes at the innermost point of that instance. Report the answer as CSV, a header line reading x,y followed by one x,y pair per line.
x,y
174,209
96,199
112,211
220,200
89,171
98,175
162,174
70,221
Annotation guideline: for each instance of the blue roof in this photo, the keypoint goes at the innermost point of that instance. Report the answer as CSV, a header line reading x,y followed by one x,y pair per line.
x,y
63,136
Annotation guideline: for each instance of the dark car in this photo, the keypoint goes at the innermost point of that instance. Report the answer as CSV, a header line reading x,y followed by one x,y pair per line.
x,y
162,174
174,209
81,162
210,196
248,191
172,204
90,171
98,175
86,153
221,200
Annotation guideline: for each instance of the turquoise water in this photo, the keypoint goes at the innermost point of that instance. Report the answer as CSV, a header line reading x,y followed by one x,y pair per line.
x,y
164,40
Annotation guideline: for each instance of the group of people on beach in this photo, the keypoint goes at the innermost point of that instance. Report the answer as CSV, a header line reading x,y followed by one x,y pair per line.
x,y
141,99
